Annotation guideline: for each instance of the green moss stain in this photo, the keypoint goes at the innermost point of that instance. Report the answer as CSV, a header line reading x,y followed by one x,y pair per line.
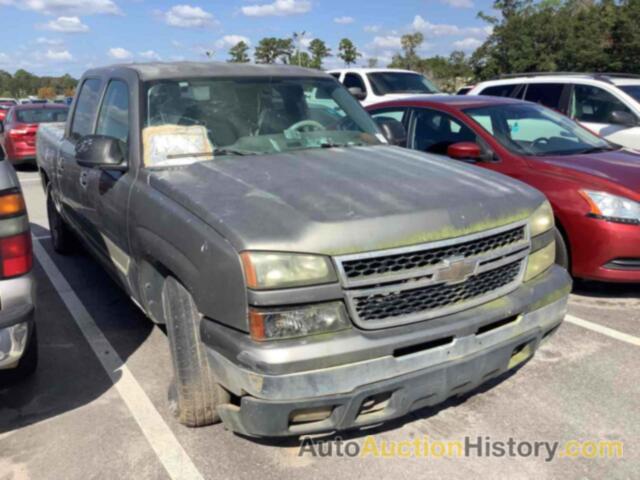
x,y
435,235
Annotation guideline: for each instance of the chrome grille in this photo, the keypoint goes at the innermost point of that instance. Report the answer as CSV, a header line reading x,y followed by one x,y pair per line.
x,y
393,287
390,264
399,303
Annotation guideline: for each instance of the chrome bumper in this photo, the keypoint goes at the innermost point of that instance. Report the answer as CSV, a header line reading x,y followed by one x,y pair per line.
x,y
16,318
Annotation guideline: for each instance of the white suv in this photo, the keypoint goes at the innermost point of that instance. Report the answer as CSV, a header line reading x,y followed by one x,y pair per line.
x,y
375,85
607,104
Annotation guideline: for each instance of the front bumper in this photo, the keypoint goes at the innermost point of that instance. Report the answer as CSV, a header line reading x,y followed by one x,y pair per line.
x,y
16,318
444,360
601,243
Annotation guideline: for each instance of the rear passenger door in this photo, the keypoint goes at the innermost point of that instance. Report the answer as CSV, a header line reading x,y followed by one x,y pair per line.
x,y
72,178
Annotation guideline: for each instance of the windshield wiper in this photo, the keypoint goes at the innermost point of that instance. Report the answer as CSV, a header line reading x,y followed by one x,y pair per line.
x,y
230,151
596,150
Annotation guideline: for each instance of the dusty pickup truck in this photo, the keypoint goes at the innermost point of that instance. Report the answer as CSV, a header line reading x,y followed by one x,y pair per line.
x,y
311,276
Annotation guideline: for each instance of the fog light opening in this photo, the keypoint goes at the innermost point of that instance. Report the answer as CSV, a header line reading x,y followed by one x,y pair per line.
x,y
374,403
310,415
520,354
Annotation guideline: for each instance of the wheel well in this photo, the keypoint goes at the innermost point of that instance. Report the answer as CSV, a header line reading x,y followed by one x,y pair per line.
x,y
565,237
45,179
152,276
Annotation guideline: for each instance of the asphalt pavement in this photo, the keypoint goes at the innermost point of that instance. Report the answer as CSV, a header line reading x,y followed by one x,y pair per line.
x,y
97,406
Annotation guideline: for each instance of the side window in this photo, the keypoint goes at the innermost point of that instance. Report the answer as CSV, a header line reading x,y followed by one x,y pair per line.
x,y
547,94
593,104
86,108
396,114
114,113
354,80
435,131
500,90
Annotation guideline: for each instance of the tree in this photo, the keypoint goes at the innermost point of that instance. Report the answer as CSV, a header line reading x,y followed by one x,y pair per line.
x,y
270,49
319,52
301,59
348,52
47,92
238,53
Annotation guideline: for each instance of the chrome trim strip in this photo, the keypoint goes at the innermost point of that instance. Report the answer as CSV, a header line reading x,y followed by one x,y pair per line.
x,y
421,272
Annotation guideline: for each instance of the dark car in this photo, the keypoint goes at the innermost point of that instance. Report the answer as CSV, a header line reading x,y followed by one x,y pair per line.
x,y
19,127
593,185
311,276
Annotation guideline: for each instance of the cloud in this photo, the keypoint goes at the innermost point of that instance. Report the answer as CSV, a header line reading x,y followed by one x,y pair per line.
x,y
48,41
4,58
67,25
278,8
58,55
187,16
344,20
442,29
229,41
388,41
458,3
119,53
150,55
467,44
66,7
372,28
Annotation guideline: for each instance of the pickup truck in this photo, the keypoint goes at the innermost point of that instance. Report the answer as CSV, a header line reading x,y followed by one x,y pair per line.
x,y
311,276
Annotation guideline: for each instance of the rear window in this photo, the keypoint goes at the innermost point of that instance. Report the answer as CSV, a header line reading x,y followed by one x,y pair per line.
x,y
500,90
547,94
384,83
42,115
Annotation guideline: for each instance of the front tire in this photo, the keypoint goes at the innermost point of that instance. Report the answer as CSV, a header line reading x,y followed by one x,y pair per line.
x,y
194,393
61,235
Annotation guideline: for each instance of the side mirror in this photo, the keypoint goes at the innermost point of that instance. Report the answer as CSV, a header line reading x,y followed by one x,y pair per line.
x,y
626,119
392,130
357,93
465,151
98,151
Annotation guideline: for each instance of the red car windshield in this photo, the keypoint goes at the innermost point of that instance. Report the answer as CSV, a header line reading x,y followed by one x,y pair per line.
x,y
526,129
42,115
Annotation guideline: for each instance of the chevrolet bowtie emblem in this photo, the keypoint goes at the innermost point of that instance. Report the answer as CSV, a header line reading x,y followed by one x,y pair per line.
x,y
456,270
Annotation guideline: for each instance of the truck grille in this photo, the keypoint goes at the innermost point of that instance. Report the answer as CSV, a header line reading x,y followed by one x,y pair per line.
x,y
393,287
399,303
390,264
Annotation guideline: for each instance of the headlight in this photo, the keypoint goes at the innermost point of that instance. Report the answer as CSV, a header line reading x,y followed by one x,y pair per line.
x,y
275,324
612,207
542,219
540,261
268,270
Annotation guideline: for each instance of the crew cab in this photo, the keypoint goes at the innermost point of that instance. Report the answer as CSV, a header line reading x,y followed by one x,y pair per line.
x,y
593,185
311,276
374,85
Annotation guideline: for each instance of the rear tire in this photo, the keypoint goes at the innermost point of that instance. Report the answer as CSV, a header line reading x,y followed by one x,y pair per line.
x,y
194,393
562,252
61,235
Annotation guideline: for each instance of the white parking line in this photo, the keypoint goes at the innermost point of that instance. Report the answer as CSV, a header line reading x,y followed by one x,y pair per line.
x,y
609,332
173,457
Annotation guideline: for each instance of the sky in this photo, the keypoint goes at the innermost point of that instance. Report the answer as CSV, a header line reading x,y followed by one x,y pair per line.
x,y
53,37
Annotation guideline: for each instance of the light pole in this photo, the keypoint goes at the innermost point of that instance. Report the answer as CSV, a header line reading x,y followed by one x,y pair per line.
x,y
297,38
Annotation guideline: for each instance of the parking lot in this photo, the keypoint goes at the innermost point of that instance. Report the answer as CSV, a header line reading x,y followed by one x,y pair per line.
x,y
97,407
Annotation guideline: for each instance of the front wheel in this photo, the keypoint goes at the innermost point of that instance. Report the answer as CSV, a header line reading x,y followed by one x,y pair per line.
x,y
562,252
194,394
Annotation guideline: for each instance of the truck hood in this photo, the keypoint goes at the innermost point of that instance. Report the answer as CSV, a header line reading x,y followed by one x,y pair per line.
x,y
619,169
338,201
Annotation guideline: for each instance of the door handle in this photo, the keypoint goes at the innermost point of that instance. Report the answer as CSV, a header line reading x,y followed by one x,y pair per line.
x,y
83,180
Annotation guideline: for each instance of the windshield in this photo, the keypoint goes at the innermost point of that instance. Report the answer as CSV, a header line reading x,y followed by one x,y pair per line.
x,y
42,115
533,130
632,90
384,83
198,119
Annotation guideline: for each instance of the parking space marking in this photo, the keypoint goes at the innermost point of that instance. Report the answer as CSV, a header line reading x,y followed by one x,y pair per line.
x,y
609,332
173,457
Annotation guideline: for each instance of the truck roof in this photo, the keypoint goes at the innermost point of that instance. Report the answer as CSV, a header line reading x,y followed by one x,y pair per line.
x,y
173,70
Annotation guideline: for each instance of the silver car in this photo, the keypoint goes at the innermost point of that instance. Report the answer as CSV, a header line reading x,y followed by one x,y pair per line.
x,y
18,344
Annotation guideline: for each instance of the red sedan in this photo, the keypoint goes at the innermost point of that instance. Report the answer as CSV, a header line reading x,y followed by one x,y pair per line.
x,y
593,185
18,129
